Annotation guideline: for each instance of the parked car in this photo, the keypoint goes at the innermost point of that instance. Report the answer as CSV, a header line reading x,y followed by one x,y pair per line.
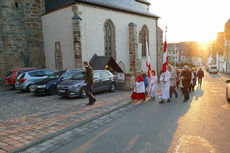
x,y
75,87
228,91
212,69
12,75
26,79
49,85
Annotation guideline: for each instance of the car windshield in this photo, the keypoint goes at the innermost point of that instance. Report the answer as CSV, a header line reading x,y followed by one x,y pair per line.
x,y
79,76
55,75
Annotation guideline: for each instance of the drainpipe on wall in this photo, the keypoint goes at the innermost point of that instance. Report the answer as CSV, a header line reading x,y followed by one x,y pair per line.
x,y
157,50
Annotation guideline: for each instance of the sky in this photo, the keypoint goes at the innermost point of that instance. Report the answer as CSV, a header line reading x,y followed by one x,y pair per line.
x,y
191,20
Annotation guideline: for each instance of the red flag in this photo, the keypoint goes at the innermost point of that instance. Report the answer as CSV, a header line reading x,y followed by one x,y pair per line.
x,y
165,56
148,59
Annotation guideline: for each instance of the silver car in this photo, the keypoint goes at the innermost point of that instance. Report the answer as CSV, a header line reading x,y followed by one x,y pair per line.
x,y
26,79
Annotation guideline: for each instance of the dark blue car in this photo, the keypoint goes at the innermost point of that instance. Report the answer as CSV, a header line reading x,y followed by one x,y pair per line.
x,y
49,85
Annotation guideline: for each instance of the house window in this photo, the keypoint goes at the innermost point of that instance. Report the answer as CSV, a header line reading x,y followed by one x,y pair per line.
x,y
109,34
144,38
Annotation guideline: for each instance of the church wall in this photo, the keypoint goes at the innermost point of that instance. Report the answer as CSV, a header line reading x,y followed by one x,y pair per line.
x,y
93,19
57,26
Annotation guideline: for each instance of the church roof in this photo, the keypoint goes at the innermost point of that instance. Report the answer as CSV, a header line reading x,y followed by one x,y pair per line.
x,y
132,6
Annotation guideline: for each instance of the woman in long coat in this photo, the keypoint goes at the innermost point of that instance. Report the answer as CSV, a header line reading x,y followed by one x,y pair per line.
x,y
153,85
139,89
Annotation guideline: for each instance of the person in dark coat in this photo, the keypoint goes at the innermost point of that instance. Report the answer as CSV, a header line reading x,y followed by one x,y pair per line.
x,y
186,80
89,80
200,75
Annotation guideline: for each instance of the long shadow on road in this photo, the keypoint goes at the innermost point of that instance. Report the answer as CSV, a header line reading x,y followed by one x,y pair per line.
x,y
149,128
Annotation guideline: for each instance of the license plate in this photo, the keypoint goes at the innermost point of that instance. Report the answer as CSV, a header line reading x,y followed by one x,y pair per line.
x,y
62,91
32,89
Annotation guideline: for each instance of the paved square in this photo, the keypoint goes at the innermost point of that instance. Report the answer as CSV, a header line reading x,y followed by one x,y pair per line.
x,y
25,118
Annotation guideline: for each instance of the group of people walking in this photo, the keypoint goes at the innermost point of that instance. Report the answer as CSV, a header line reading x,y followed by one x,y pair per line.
x,y
145,85
184,79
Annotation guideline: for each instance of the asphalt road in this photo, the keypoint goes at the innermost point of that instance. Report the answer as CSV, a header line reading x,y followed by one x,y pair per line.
x,y
199,126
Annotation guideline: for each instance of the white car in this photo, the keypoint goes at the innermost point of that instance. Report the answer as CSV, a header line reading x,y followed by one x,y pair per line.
x,y
213,69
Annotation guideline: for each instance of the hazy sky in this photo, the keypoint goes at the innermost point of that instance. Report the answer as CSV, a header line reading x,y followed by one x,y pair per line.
x,y
192,20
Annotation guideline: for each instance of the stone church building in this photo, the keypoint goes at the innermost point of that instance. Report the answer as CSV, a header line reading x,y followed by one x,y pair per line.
x,y
21,40
60,34
74,30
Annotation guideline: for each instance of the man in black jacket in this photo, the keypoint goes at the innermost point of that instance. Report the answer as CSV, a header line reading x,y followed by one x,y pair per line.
x,y
89,80
186,80
200,75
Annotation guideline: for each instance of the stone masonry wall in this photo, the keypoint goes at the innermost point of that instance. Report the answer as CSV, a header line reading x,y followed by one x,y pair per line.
x,y
21,41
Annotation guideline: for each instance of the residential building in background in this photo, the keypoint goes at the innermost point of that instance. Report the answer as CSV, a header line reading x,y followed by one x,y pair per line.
x,y
185,53
227,45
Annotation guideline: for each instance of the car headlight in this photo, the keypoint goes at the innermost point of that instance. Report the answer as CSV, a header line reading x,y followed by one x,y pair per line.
x,y
41,86
74,86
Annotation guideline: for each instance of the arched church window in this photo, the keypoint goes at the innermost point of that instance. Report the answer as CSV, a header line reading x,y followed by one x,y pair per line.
x,y
109,34
14,4
145,38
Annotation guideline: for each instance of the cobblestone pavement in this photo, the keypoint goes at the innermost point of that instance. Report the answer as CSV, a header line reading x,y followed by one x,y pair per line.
x,y
25,119
55,143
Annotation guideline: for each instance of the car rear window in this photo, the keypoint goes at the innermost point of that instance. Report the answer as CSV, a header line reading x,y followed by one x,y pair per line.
x,y
105,74
9,74
213,67
37,74
21,76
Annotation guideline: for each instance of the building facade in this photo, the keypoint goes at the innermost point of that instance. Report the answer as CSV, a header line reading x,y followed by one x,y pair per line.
x,y
227,45
160,51
75,30
21,40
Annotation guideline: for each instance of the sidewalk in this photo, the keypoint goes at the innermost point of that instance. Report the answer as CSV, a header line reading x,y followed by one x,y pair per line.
x,y
53,115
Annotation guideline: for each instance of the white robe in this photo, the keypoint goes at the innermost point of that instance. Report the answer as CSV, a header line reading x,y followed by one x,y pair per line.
x,y
153,86
139,87
166,85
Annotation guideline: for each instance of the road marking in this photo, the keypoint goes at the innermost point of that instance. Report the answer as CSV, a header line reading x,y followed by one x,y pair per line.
x,y
83,148
194,144
131,143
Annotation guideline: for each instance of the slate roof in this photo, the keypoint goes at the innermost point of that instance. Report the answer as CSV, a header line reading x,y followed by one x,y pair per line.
x,y
123,5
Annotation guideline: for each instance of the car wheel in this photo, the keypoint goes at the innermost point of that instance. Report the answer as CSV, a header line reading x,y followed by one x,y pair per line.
x,y
227,96
83,93
28,88
112,87
53,90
